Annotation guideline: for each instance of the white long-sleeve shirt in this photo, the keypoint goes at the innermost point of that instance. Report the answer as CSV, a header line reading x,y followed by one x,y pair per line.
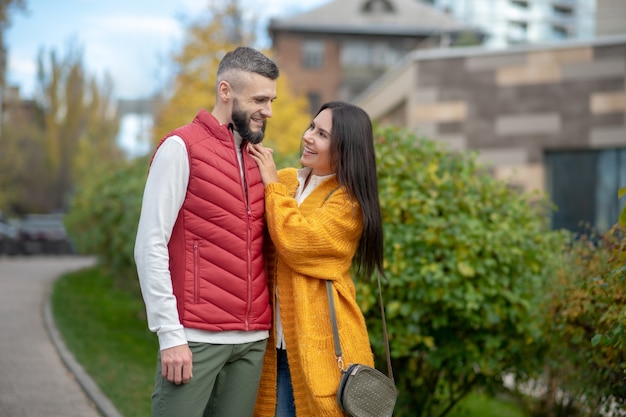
x,y
163,197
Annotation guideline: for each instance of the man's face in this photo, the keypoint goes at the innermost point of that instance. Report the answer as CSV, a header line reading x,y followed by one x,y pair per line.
x,y
252,106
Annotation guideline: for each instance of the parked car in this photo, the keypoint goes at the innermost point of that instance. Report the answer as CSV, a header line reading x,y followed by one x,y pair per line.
x,y
43,234
9,243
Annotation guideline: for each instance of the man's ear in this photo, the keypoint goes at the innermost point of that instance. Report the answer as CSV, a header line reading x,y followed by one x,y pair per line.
x,y
224,91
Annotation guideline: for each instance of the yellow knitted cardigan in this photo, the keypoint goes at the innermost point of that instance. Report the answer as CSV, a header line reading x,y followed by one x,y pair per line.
x,y
312,243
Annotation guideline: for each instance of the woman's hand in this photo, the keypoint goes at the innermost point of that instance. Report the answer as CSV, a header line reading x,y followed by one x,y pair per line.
x,y
264,159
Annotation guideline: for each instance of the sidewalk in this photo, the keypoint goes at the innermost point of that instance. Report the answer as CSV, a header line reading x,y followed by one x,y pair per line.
x,y
40,378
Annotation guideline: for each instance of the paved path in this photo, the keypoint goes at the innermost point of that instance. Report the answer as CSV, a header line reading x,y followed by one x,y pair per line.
x,y
38,377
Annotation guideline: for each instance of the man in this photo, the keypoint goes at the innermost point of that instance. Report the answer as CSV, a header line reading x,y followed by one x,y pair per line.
x,y
198,249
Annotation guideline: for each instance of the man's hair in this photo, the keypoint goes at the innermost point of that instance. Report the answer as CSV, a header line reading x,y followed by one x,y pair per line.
x,y
245,59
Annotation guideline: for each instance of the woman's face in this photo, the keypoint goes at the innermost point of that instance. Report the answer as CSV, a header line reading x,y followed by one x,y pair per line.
x,y
316,141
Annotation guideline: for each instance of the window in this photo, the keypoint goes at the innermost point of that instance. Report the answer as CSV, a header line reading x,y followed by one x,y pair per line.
x,y
312,54
355,54
315,101
378,6
583,185
517,31
564,11
611,176
560,31
364,54
382,55
520,3
519,24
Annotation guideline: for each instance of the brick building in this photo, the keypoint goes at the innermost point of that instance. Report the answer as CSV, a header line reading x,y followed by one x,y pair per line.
x,y
338,49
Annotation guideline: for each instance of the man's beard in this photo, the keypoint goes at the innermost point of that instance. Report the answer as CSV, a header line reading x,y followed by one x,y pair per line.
x,y
242,126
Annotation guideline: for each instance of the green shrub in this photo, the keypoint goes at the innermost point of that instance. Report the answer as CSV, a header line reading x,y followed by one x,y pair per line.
x,y
103,217
467,258
587,356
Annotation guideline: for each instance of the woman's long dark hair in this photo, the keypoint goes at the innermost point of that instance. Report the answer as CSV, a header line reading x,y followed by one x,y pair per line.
x,y
353,158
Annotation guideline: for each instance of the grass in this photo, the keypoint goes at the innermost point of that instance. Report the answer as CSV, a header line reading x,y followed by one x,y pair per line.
x,y
105,329
476,404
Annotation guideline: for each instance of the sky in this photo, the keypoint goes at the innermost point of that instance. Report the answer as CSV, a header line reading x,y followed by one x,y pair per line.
x,y
131,40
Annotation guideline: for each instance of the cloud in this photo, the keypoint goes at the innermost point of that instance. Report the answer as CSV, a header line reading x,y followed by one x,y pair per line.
x,y
22,71
132,25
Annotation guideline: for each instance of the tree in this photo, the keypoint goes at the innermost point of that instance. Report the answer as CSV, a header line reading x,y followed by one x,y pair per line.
x,y
23,164
7,6
79,123
224,28
10,160
61,137
18,133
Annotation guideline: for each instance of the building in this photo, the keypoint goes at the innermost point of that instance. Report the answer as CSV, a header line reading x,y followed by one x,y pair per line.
x,y
549,118
610,17
511,22
136,123
338,49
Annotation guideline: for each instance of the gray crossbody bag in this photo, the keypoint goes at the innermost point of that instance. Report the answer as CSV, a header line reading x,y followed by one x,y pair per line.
x,y
363,391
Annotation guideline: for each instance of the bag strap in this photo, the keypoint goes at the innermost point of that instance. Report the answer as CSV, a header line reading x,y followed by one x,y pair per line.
x,y
333,322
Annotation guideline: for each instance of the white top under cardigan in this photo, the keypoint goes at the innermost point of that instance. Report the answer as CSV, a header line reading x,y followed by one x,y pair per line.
x,y
163,197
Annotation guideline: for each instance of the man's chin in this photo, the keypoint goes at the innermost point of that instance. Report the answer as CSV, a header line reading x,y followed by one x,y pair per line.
x,y
256,138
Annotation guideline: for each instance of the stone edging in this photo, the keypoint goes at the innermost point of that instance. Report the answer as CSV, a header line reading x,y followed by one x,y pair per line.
x,y
102,403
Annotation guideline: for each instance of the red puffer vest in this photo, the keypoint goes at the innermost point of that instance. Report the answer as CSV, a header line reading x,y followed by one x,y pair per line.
x,y
215,250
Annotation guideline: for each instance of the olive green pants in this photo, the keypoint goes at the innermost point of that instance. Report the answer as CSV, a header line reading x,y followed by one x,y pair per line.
x,y
224,384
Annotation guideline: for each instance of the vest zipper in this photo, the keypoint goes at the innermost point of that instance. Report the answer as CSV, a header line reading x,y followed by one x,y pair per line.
x,y
248,242
249,268
196,284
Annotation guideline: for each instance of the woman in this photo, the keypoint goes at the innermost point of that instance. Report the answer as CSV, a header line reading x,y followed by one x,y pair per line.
x,y
322,219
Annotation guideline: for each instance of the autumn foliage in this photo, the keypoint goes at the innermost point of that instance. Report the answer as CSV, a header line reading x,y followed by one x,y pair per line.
x,y
586,336
57,139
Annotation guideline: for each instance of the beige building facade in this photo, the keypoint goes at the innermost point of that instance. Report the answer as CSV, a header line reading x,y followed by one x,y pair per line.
x,y
550,118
